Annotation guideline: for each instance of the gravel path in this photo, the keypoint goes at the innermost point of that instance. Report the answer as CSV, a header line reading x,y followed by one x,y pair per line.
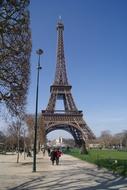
x,y
71,174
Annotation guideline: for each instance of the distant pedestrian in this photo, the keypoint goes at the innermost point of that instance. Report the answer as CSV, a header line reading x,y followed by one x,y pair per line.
x,y
43,151
29,153
49,151
53,156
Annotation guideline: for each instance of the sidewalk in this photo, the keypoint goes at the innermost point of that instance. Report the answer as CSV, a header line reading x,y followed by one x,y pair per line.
x,y
71,174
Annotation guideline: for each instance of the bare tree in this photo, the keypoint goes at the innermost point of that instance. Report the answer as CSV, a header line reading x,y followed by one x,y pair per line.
x,y
106,138
30,121
124,140
12,133
15,48
14,137
2,137
41,131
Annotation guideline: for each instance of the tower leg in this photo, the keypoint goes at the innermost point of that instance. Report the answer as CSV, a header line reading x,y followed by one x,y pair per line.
x,y
83,148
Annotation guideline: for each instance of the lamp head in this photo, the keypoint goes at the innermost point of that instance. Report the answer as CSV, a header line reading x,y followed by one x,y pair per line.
x,y
39,51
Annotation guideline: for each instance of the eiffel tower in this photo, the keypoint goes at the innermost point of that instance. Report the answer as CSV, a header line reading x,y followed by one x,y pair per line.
x,y
70,119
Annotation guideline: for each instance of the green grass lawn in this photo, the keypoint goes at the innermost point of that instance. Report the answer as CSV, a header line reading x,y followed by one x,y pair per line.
x,y
111,159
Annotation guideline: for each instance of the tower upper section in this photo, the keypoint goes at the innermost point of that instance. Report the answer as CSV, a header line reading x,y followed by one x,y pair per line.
x,y
60,74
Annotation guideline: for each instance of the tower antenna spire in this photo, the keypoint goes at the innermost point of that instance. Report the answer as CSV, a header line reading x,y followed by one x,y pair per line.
x,y
60,18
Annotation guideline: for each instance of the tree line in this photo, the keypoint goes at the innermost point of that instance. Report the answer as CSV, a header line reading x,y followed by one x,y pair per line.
x,y
107,140
19,136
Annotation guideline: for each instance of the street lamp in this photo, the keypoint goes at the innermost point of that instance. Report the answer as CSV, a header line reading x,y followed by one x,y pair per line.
x,y
39,52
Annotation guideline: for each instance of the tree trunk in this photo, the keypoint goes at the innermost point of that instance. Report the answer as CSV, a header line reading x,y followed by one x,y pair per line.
x,y
83,148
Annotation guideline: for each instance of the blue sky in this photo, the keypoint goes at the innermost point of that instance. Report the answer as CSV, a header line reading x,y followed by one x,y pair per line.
x,y
95,41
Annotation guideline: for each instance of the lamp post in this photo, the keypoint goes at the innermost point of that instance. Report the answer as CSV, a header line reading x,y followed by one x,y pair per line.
x,y
39,52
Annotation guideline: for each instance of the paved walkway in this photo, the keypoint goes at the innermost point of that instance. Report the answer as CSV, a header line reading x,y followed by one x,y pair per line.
x,y
71,174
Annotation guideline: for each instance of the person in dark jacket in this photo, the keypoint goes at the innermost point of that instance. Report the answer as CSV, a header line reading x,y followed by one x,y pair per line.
x,y
53,156
49,151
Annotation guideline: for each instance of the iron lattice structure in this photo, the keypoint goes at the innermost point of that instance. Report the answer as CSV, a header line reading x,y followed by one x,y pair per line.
x,y
70,119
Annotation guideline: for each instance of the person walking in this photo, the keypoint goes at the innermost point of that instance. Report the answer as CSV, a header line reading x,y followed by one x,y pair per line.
x,y
53,156
43,151
58,154
49,151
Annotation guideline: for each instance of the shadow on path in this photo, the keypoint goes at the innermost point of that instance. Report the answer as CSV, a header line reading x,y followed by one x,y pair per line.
x,y
76,179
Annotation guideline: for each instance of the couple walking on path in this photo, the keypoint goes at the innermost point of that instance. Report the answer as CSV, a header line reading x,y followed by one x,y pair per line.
x,y
55,155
